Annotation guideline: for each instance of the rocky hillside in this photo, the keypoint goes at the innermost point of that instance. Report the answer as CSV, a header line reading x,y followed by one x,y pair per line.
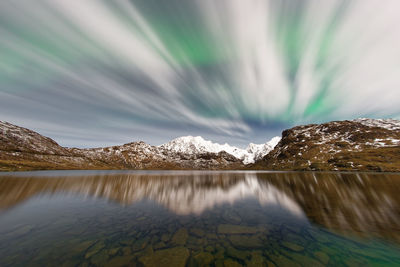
x,y
18,139
139,155
23,149
362,144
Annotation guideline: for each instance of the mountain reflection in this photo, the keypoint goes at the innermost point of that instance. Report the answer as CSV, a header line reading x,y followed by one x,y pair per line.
x,y
182,194
361,203
366,204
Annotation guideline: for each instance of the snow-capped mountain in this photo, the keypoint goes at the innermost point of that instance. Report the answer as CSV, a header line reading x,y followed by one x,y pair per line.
x,y
257,151
197,145
23,149
362,144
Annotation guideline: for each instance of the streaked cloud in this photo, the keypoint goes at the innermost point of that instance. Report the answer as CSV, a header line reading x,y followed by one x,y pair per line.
x,y
93,73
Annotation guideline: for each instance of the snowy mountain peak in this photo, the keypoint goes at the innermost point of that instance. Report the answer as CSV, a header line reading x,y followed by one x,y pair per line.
x,y
195,145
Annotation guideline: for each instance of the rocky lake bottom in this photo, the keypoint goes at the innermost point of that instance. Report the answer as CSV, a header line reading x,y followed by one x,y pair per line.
x,y
111,218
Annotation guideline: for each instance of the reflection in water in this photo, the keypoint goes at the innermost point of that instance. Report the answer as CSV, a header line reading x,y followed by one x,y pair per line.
x,y
247,218
181,194
364,203
359,202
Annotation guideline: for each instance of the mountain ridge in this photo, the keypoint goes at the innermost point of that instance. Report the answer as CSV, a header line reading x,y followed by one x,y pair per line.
x,y
197,144
350,145
23,149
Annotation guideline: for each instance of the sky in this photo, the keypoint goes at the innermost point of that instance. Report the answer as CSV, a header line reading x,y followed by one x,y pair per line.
x,y
96,73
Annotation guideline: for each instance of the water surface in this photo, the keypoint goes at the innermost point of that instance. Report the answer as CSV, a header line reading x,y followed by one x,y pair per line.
x,y
118,218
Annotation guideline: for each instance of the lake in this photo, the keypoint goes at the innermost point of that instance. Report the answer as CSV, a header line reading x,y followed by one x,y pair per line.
x,y
181,218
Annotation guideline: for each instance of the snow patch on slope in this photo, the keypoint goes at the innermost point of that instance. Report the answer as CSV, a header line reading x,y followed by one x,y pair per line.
x,y
389,124
197,145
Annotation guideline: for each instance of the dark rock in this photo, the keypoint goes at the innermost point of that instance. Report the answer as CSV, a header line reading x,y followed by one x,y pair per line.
x,y
176,257
292,246
322,257
244,241
197,232
94,249
204,259
140,244
256,260
231,263
180,237
120,261
237,254
236,229
281,260
99,259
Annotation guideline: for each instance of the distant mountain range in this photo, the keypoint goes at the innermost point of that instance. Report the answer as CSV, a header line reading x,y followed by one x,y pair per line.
x,y
362,144
197,145
23,149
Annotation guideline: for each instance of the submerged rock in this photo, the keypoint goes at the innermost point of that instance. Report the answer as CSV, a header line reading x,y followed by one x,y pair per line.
x,y
231,263
197,232
140,244
176,257
165,237
180,237
159,245
220,253
113,251
204,259
219,263
256,260
126,251
236,229
211,236
209,249
82,246
305,260
292,246
94,249
281,260
147,259
322,257
127,241
237,254
270,264
245,241
99,259
119,261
